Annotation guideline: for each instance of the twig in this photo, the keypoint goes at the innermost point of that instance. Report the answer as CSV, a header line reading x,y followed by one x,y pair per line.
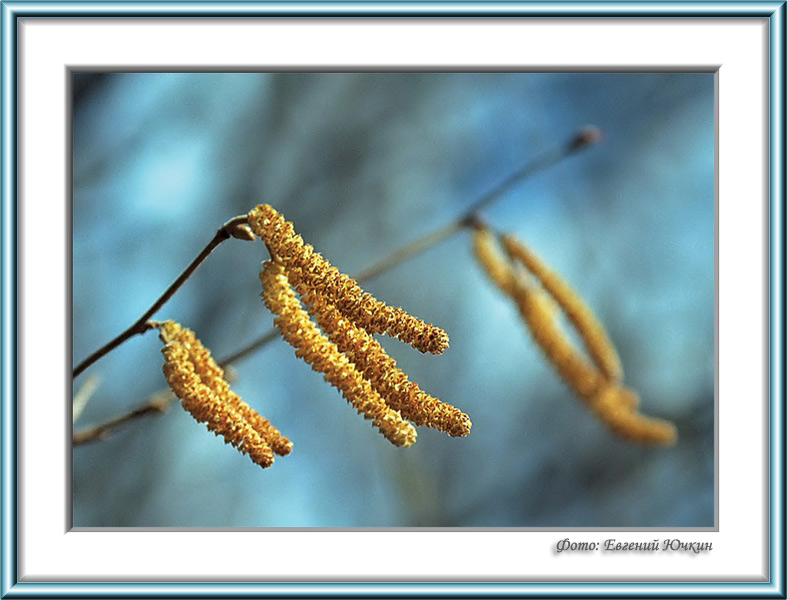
x,y
258,343
157,404
231,228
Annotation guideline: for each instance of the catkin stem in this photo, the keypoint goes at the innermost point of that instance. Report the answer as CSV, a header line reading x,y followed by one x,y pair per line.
x,y
583,138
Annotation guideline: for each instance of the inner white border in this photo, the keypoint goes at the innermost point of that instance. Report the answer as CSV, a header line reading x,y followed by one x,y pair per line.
x,y
47,47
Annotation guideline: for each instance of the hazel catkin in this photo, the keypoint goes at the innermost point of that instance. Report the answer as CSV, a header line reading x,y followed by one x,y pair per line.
x,y
496,265
314,348
615,406
377,367
307,269
596,383
199,383
592,332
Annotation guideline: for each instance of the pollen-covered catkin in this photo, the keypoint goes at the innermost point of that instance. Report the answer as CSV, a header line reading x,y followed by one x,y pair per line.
x,y
497,266
212,375
594,337
377,367
306,268
324,357
536,310
597,384
615,407
199,383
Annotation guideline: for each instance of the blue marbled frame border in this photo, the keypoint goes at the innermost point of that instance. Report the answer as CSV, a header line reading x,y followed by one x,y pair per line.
x,y
11,12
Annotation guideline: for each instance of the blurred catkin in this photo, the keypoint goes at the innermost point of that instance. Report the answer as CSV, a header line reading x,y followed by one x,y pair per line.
x,y
497,266
533,305
590,330
613,406
597,383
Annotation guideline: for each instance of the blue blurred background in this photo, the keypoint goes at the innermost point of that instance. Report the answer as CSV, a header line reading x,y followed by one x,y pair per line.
x,y
363,163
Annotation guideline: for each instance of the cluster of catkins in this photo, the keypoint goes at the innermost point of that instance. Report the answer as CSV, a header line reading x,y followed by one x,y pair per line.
x,y
204,392
300,285
339,343
539,293
331,322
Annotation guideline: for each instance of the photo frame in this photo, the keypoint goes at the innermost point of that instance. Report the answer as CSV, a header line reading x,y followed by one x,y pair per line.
x,y
743,554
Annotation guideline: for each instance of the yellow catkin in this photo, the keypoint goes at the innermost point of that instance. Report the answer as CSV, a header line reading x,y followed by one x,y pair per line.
x,y
594,337
535,308
496,265
213,376
197,392
306,268
614,406
377,367
538,312
596,384
314,348
199,383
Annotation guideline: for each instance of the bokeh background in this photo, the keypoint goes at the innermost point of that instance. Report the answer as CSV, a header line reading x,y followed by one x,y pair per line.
x,y
363,163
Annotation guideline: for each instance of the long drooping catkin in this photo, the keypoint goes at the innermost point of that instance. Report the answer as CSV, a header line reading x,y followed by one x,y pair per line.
x,y
535,309
323,355
306,269
199,382
593,334
497,266
381,371
613,404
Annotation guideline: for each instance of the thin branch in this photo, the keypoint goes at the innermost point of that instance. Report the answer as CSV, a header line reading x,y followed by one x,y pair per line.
x,y
157,404
269,336
232,228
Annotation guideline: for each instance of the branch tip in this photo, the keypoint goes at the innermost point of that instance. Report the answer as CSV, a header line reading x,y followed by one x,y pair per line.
x,y
586,136
474,221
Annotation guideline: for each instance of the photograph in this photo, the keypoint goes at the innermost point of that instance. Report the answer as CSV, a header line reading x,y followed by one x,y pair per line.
x,y
393,299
